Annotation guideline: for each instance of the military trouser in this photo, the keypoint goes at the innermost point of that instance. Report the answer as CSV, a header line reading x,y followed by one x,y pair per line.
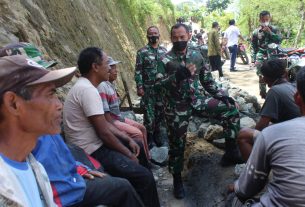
x,y
153,114
177,120
260,56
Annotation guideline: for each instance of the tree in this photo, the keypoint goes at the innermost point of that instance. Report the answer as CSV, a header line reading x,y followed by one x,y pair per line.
x,y
284,13
217,5
301,27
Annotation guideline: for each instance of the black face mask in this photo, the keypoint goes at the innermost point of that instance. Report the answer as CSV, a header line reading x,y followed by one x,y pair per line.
x,y
153,39
179,46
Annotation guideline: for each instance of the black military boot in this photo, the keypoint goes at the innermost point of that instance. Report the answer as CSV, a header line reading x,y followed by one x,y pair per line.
x,y
178,186
232,154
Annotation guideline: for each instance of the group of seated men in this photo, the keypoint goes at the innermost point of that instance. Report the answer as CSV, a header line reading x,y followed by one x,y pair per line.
x,y
71,174
278,148
31,113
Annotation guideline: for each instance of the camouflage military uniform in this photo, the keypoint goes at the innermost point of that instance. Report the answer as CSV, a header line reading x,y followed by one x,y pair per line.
x,y
183,98
145,74
260,51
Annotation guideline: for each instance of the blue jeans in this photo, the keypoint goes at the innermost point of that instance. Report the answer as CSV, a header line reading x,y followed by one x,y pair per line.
x,y
233,52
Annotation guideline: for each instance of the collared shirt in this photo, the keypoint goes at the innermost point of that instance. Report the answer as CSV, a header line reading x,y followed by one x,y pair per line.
x,y
232,34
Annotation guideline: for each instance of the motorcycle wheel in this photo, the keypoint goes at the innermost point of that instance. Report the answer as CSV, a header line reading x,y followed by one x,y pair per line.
x,y
244,57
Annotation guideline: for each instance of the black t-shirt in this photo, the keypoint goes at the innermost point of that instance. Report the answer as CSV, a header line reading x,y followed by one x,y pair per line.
x,y
279,104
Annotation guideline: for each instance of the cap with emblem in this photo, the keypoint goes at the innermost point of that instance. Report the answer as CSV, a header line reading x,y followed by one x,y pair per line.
x,y
27,49
18,70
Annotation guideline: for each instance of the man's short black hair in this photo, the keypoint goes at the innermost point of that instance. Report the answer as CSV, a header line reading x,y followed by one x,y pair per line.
x,y
301,83
274,69
215,24
87,57
176,26
232,22
264,13
152,27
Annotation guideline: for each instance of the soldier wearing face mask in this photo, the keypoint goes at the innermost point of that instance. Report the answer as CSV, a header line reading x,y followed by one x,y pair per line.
x,y
264,35
145,75
181,75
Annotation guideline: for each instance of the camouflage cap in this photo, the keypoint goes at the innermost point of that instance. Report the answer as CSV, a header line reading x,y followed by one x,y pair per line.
x,y
27,49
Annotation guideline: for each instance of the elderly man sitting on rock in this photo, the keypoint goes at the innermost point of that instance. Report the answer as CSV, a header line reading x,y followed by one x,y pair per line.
x,y
279,105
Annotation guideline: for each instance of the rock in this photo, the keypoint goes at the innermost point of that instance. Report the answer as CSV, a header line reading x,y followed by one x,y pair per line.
x,y
239,168
254,101
220,143
250,108
247,122
202,129
213,132
192,127
139,118
234,92
159,155
242,103
136,102
161,138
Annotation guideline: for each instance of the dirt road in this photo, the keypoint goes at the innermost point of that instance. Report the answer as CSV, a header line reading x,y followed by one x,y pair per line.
x,y
244,78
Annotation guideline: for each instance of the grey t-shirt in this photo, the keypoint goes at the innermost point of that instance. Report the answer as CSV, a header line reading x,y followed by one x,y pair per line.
x,y
279,104
279,148
82,101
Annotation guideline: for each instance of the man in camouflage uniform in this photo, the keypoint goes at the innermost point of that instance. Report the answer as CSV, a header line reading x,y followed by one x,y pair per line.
x,y
181,75
264,35
145,75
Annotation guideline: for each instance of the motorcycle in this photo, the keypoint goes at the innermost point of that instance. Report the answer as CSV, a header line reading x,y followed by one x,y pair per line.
x,y
295,58
297,62
241,52
294,69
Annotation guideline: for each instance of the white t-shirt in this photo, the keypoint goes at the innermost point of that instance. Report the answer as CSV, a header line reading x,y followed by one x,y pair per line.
x,y
232,34
82,101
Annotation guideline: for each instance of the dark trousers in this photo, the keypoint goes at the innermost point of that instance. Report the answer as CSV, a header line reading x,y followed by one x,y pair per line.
x,y
116,164
215,62
233,52
110,191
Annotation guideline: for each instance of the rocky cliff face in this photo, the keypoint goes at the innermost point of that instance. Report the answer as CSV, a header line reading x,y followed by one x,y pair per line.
x,y
62,28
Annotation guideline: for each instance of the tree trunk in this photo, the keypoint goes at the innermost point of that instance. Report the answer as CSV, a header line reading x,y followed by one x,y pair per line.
x,y
299,34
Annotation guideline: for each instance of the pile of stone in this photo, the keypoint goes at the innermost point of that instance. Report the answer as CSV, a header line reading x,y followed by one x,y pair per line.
x,y
248,107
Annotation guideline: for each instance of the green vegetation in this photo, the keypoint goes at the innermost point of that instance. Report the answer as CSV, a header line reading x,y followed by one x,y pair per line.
x,y
205,14
287,15
147,12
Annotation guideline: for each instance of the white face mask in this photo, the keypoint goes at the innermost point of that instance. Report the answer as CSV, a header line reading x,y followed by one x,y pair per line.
x,y
266,24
